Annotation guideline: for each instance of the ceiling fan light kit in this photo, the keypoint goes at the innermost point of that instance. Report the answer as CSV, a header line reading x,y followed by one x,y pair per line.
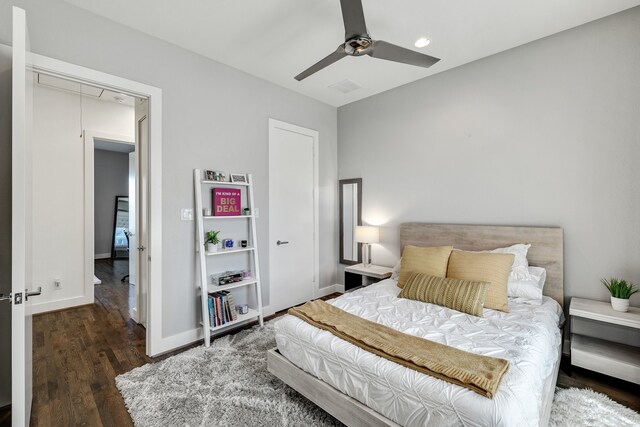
x,y
357,42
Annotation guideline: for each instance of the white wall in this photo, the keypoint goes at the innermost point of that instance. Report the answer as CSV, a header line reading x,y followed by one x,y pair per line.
x,y
58,189
214,117
544,134
111,179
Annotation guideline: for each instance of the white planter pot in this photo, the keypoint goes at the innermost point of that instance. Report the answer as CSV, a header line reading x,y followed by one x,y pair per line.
x,y
212,248
619,304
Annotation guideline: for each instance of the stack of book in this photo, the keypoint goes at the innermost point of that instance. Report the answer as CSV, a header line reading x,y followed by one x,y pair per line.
x,y
222,308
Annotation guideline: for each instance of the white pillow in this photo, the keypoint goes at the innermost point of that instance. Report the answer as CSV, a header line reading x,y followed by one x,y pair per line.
x,y
529,289
520,264
395,273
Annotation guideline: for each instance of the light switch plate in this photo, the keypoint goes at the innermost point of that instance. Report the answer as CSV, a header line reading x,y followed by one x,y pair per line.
x,y
256,212
186,214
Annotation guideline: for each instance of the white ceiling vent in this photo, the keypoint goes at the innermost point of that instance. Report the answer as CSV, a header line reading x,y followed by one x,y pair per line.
x,y
345,86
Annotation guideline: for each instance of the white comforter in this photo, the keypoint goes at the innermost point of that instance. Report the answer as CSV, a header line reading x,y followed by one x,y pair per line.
x,y
528,337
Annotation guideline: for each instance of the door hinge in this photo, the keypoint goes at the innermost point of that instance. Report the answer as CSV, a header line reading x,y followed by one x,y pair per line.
x,y
17,298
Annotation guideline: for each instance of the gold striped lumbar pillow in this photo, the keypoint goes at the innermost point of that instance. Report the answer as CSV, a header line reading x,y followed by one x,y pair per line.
x,y
466,296
431,260
484,267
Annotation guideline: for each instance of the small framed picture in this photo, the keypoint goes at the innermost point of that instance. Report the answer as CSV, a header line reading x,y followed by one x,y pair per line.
x,y
220,176
238,177
209,175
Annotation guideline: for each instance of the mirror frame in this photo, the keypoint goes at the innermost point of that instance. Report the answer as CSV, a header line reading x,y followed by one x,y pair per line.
x,y
113,234
341,183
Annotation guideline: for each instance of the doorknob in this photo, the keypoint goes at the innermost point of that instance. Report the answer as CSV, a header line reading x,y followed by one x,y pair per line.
x,y
141,248
28,294
279,242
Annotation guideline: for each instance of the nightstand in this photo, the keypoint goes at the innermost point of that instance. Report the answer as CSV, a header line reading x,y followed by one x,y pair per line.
x,y
605,340
359,275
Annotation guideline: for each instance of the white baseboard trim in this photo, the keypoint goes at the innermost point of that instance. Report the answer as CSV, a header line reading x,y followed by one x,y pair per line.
x,y
176,341
102,256
267,311
322,292
60,304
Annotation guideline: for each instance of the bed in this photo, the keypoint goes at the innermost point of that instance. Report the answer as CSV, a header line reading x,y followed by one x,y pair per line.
x,y
359,388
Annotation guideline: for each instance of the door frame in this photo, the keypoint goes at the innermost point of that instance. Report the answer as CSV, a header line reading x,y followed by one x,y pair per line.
x,y
156,343
90,137
315,135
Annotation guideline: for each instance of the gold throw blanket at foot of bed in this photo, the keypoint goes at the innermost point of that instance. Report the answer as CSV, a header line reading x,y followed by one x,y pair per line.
x,y
481,374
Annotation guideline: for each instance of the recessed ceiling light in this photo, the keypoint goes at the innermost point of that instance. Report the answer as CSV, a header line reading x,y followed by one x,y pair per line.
x,y
422,42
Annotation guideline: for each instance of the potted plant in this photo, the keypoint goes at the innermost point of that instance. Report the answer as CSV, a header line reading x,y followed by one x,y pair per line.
x,y
212,241
621,291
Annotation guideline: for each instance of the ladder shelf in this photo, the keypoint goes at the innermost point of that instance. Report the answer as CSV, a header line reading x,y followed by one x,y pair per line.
x,y
246,291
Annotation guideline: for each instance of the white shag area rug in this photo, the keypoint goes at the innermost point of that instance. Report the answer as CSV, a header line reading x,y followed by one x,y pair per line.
x,y
228,385
584,407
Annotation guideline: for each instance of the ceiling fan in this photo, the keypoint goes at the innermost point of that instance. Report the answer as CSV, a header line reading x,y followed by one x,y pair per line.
x,y
357,42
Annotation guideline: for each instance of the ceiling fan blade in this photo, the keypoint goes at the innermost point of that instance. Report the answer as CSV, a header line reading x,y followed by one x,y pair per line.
x,y
391,52
353,17
324,62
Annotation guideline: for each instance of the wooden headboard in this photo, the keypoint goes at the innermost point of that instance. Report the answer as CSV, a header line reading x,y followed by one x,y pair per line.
x,y
546,245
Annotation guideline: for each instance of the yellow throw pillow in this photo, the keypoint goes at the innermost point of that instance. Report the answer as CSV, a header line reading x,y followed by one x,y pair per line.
x,y
484,267
432,261
466,296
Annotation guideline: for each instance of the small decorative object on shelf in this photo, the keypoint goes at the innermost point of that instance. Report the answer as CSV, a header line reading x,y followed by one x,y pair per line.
x,y
246,211
621,291
215,176
212,241
238,177
206,212
226,201
243,309
227,243
227,277
243,243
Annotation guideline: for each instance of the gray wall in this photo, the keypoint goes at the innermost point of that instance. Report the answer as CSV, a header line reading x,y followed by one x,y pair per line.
x,y
5,225
214,117
111,173
544,134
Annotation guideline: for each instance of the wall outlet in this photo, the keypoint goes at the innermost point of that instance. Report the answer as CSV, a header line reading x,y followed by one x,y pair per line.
x,y
186,214
57,284
256,212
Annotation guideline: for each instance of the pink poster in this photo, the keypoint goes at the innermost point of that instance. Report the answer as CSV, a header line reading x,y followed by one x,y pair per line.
x,y
226,202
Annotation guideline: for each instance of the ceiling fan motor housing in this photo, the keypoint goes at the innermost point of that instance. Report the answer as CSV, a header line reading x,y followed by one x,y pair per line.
x,y
358,46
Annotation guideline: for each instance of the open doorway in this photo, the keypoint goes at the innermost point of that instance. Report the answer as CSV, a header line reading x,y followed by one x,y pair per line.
x,y
115,220
89,198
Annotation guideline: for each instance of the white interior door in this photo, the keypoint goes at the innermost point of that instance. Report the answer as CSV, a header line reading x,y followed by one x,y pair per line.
x,y
133,251
142,207
292,214
21,237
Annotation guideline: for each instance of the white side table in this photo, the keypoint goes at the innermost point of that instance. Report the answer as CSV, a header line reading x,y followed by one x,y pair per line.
x,y
601,355
358,275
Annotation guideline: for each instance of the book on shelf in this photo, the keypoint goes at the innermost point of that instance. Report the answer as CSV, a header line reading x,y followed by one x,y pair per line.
x,y
222,308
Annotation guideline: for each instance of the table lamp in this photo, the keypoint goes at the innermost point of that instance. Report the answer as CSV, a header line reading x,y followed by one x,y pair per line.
x,y
366,235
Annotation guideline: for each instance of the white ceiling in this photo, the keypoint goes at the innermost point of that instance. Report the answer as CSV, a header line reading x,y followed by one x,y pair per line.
x,y
277,39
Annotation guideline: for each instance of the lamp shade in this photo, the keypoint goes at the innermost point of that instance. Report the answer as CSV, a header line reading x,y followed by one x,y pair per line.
x,y
367,234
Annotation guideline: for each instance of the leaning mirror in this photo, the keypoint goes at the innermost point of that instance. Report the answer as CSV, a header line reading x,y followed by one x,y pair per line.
x,y
350,218
120,241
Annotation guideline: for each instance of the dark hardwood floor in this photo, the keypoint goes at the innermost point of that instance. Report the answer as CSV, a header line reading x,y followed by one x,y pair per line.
x,y
77,353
